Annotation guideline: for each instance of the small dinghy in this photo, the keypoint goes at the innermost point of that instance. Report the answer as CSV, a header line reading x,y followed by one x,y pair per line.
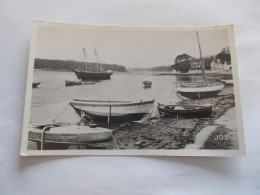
x,y
68,134
34,85
71,83
147,84
185,111
227,82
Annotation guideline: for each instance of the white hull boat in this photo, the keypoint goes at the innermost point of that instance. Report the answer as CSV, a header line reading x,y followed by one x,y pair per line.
x,y
113,111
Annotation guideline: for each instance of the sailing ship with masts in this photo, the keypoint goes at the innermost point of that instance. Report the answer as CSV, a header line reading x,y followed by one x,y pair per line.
x,y
200,91
91,74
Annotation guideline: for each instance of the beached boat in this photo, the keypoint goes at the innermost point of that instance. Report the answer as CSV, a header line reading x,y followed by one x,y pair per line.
x,y
89,74
68,134
202,91
71,83
34,85
113,111
185,111
147,84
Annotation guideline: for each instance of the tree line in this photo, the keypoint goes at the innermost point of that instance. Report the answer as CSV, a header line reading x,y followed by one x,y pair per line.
x,y
64,65
183,63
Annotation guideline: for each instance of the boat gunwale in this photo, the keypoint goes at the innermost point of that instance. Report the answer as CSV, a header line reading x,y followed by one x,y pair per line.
x,y
200,89
186,110
109,103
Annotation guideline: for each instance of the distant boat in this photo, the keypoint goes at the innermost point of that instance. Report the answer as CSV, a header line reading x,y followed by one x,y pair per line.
x,y
71,83
185,111
34,85
69,134
147,84
89,74
202,91
87,83
113,111
227,82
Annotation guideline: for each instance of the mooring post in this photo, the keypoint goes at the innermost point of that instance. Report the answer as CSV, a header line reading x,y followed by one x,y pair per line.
x,y
43,137
109,115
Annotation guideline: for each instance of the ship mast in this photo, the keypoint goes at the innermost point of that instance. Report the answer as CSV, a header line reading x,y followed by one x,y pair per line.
x,y
202,62
85,59
99,67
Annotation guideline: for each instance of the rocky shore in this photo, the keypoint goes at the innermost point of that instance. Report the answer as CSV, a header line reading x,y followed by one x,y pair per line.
x,y
168,133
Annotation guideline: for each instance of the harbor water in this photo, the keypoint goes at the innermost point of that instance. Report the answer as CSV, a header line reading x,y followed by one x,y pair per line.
x,y
52,96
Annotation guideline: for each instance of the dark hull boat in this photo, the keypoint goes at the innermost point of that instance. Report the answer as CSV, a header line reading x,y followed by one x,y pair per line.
x,y
34,85
147,84
71,83
185,111
112,111
227,82
88,75
93,74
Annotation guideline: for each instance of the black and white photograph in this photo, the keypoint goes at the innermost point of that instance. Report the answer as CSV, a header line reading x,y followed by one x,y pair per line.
x,y
105,90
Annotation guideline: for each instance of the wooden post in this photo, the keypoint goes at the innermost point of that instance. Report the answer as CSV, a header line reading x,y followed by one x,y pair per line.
x,y
109,116
43,137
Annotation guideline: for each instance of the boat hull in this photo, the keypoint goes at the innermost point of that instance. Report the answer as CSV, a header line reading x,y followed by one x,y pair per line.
x,y
71,83
113,111
88,76
72,134
202,92
189,112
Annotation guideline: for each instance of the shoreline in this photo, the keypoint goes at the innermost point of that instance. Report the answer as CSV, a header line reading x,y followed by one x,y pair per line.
x,y
168,133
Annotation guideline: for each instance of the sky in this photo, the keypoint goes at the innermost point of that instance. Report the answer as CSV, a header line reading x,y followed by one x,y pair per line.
x,y
129,47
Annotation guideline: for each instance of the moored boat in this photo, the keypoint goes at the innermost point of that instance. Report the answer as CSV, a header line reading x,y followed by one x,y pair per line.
x,y
147,84
227,82
185,111
36,84
89,74
71,83
69,134
200,91
113,111
204,90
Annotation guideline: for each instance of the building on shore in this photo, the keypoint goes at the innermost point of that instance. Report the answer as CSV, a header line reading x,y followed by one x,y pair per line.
x,y
216,65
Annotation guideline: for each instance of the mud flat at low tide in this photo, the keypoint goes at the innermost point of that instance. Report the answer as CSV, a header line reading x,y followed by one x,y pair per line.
x,y
171,133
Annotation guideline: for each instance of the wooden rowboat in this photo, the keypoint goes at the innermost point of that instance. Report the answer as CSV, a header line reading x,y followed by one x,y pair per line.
x,y
69,134
185,111
113,111
71,83
34,85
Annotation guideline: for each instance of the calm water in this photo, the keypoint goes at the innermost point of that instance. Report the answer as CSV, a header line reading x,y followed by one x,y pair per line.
x,y
52,97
